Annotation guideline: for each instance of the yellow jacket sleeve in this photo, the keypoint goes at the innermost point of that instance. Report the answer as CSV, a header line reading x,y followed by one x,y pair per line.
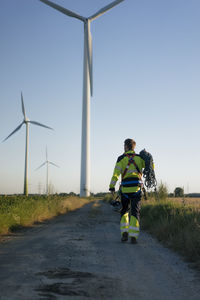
x,y
115,177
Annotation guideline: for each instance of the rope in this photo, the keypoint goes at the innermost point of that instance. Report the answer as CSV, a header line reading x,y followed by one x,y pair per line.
x,y
148,172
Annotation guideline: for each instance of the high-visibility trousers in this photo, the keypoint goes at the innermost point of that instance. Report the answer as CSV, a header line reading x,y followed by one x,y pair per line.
x,y
130,224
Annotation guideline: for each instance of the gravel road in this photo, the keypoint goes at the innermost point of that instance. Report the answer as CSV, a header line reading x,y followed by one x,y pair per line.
x,y
79,255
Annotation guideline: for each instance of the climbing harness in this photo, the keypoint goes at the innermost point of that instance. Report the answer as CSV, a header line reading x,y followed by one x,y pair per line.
x,y
148,174
139,182
131,161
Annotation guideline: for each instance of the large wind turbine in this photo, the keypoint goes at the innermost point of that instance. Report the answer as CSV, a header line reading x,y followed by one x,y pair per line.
x,y
87,89
27,122
47,162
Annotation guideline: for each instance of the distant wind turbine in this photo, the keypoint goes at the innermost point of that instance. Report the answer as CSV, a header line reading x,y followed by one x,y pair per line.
x,y
87,89
26,121
47,162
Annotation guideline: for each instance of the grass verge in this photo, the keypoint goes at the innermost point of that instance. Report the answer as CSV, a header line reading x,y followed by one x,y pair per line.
x,y
17,211
176,225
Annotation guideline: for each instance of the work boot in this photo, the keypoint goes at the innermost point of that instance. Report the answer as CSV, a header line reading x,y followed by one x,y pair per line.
x,y
124,237
133,240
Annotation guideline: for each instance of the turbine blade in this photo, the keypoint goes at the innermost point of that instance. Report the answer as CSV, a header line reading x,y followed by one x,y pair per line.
x,y
14,131
88,41
23,108
39,124
40,166
64,10
104,9
53,164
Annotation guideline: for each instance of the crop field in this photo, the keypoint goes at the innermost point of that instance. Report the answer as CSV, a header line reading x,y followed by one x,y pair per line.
x,y
18,211
195,202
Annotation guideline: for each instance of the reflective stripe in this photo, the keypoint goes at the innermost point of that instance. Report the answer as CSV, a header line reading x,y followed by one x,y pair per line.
x,y
124,224
133,234
113,182
124,229
130,182
118,168
134,228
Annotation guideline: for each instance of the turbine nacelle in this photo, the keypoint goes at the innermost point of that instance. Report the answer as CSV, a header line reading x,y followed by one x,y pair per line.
x,y
87,33
25,121
87,88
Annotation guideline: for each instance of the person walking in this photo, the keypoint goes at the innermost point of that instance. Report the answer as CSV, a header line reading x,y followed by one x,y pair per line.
x,y
129,165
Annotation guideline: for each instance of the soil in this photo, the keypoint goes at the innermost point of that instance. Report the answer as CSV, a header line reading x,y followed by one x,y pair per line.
x,y
79,255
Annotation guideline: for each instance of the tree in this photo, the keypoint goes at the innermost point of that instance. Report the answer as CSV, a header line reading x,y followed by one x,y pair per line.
x,y
179,192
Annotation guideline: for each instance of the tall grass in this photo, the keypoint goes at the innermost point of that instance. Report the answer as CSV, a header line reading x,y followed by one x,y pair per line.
x,y
177,225
17,211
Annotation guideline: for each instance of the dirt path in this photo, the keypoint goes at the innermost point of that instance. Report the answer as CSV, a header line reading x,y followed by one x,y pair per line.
x,y
79,255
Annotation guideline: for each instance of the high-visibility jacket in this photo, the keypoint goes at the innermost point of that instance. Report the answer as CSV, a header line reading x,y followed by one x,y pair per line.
x,y
131,182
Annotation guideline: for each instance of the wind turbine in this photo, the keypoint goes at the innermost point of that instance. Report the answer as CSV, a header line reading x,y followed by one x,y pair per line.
x,y
87,89
27,122
47,162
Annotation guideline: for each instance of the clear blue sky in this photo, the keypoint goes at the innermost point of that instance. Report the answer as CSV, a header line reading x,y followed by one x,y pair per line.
x,y
146,59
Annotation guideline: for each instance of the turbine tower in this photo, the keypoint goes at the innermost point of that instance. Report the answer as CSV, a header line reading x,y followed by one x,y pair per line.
x,y
47,162
27,122
87,89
